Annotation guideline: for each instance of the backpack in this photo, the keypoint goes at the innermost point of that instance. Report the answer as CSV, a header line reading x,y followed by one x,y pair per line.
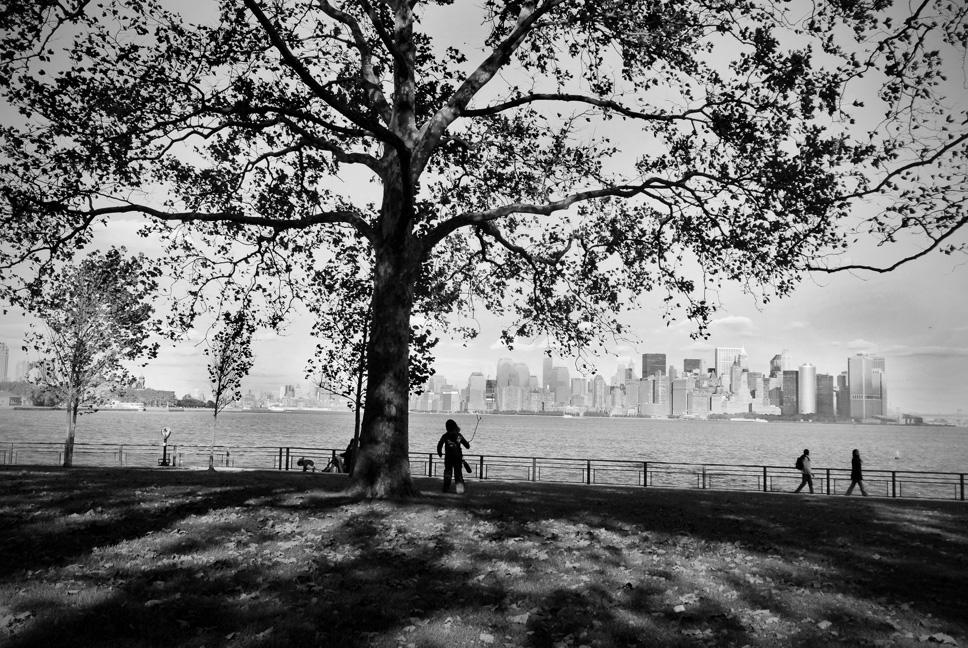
x,y
799,464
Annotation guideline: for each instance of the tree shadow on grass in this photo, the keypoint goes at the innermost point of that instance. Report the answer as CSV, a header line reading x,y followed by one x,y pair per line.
x,y
283,559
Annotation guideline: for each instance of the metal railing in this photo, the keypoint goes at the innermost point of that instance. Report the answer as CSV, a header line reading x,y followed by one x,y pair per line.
x,y
646,474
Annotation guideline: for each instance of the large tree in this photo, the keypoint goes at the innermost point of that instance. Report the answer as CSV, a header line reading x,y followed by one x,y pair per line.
x,y
549,160
96,319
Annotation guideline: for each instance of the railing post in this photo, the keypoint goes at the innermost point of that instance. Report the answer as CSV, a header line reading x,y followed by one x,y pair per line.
x,y
280,458
534,469
645,474
588,474
704,478
480,472
893,483
121,455
430,464
828,481
764,479
962,480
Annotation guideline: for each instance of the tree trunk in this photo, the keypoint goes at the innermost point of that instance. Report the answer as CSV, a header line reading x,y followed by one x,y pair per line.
x,y
382,467
71,427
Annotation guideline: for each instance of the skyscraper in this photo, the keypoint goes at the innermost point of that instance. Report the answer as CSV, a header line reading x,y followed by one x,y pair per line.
x,y
547,369
4,361
694,365
807,389
653,363
476,392
790,407
724,359
780,363
867,384
825,396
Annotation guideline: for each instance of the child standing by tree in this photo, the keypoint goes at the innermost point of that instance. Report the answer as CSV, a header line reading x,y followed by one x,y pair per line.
x,y
449,448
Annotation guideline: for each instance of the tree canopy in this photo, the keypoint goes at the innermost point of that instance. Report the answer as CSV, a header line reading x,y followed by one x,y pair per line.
x,y
547,160
97,317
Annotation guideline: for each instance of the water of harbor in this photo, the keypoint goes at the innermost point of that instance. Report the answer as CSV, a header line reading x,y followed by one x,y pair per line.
x,y
883,447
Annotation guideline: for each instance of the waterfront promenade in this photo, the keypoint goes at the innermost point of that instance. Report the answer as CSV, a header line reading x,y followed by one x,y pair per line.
x,y
161,557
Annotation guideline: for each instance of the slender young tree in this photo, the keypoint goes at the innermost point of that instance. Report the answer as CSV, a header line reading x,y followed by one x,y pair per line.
x,y
229,361
547,160
97,316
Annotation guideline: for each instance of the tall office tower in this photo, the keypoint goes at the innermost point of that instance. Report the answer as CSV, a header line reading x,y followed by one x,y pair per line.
x,y
673,372
561,384
632,394
4,361
653,363
825,396
780,363
735,375
694,365
790,407
679,404
547,368
600,394
523,374
646,390
490,394
661,395
505,367
630,371
843,396
724,359
867,385
807,389
476,392
755,381
619,377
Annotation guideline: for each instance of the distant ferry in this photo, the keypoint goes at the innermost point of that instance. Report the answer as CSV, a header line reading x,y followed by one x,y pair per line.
x,y
123,405
749,420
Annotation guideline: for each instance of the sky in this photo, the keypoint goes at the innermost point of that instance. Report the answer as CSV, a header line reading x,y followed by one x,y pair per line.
x,y
916,317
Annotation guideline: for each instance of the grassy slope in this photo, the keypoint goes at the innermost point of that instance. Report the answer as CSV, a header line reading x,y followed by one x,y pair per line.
x,y
115,557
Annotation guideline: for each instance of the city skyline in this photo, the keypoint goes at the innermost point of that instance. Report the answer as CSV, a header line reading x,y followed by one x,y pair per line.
x,y
916,316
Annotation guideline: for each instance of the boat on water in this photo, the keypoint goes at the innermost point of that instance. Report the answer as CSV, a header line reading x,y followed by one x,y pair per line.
x,y
278,408
126,405
750,420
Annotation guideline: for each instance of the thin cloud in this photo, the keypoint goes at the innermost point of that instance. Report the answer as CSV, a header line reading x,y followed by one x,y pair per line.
x,y
734,326
861,344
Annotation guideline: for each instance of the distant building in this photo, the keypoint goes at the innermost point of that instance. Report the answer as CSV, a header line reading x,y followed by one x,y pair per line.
x,y
9,399
477,392
725,357
807,389
825,396
790,406
867,385
653,363
694,365
4,361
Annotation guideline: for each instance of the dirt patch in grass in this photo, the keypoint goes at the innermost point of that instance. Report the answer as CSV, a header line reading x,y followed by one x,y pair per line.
x,y
115,557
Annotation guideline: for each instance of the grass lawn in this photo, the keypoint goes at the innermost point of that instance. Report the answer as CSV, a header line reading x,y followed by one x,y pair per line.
x,y
166,557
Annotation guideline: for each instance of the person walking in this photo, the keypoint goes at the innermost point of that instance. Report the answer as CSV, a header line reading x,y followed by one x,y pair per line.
x,y
856,474
449,448
804,464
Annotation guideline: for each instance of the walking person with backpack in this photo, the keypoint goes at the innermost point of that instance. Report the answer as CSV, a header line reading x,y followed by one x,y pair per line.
x,y
449,448
803,465
856,474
